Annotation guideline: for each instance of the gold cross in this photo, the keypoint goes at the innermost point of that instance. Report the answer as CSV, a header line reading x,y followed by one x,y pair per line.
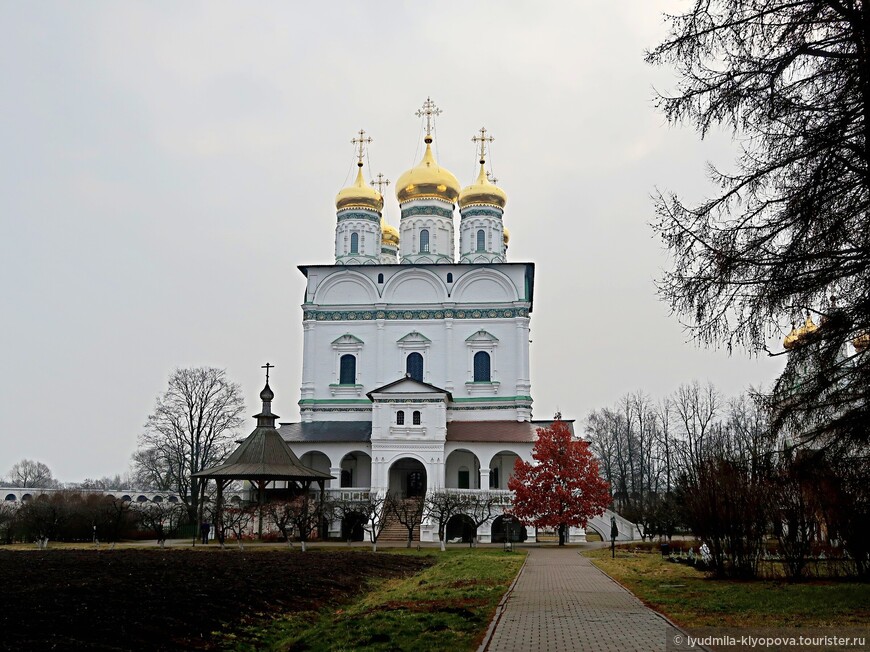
x,y
361,142
429,110
381,183
483,139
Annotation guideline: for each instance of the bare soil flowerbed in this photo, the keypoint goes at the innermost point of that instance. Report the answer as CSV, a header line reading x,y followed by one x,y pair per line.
x,y
169,599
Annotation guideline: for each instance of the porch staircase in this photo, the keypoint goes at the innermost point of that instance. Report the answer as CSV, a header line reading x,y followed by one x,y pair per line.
x,y
395,532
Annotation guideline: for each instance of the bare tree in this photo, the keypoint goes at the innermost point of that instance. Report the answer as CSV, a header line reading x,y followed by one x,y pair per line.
x,y
479,507
237,519
408,512
30,473
161,518
790,79
8,521
368,511
305,512
441,506
192,428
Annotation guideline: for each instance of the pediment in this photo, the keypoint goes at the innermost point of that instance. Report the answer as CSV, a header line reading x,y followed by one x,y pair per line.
x,y
481,336
413,338
347,338
408,386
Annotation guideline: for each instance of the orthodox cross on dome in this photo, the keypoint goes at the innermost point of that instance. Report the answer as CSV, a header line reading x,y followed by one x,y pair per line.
x,y
380,183
483,139
267,366
428,111
361,143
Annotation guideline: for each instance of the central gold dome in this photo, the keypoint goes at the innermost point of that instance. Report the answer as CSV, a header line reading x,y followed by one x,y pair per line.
x,y
427,180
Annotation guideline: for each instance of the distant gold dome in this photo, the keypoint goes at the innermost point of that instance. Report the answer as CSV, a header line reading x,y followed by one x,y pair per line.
x,y
359,195
482,192
797,334
427,180
389,234
862,342
506,237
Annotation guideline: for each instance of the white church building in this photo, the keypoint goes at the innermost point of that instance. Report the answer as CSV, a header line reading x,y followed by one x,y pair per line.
x,y
415,371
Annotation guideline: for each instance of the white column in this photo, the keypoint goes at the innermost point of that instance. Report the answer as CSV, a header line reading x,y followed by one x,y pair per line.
x,y
448,383
380,352
335,471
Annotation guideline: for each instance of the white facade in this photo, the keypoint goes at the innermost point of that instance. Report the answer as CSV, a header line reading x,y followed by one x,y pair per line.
x,y
416,375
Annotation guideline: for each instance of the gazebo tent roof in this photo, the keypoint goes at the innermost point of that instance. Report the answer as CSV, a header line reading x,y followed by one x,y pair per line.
x,y
264,455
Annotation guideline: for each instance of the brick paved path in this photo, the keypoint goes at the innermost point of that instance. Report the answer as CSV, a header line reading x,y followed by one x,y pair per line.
x,y
562,602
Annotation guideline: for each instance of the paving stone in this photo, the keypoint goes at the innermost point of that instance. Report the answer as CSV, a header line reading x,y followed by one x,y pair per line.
x,y
562,602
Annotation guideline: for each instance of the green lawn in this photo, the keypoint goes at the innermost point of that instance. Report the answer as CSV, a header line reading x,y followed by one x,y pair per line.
x,y
691,599
447,606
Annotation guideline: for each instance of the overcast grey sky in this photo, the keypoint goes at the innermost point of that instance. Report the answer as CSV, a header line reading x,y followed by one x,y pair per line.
x,y
165,166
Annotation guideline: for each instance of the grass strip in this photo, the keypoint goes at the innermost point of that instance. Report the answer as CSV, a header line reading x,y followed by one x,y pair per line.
x,y
446,606
692,599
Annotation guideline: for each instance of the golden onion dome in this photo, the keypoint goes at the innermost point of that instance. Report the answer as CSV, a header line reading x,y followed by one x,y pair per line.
x,y
506,237
359,195
482,192
797,334
862,342
427,180
389,234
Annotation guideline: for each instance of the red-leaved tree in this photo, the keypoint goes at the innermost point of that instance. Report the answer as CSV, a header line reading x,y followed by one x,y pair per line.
x,y
562,487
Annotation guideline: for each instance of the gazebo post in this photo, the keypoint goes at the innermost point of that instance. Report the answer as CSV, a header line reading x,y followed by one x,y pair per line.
x,y
219,509
261,490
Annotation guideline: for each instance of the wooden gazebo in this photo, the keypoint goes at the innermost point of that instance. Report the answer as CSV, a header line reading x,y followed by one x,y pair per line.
x,y
262,458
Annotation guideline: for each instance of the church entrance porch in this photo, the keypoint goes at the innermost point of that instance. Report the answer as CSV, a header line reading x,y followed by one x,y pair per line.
x,y
407,478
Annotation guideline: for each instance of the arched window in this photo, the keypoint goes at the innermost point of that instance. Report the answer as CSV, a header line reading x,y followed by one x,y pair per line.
x,y
450,277
414,366
347,370
400,418
416,417
354,243
481,367
481,240
424,241
380,278
493,478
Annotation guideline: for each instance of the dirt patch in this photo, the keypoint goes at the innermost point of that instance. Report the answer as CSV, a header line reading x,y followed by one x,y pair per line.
x,y
169,599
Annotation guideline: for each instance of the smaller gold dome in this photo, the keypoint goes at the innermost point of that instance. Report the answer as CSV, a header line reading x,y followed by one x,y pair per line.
x,y
797,334
506,237
482,192
862,342
359,195
427,180
389,234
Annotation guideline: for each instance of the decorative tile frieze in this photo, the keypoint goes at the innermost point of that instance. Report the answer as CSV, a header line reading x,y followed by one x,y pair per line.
x,y
359,215
392,315
482,210
411,211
